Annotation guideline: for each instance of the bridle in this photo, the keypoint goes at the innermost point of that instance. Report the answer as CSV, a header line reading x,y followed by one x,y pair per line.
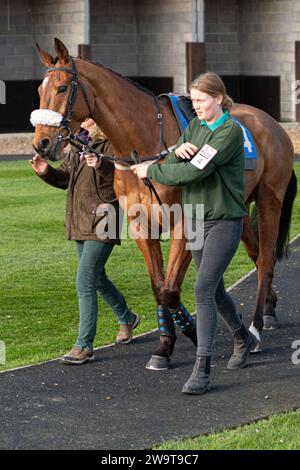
x,y
53,118
65,124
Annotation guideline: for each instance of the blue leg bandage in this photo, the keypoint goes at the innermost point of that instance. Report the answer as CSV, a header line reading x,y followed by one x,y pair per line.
x,y
182,318
165,322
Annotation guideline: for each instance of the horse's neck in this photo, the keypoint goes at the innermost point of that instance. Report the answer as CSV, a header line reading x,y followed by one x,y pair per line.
x,y
126,114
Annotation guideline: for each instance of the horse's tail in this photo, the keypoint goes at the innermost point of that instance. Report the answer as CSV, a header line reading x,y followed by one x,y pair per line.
x,y
281,249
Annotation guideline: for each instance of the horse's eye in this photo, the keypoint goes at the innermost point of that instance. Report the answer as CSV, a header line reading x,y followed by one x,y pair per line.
x,y
62,89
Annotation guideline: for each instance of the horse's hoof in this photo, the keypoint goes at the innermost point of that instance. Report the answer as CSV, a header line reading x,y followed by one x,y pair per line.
x,y
158,363
270,322
256,333
257,349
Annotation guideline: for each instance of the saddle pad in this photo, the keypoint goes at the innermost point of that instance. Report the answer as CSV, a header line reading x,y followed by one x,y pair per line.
x,y
183,109
249,145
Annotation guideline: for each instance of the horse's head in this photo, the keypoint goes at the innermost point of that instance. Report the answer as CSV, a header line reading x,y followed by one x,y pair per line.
x,y
62,109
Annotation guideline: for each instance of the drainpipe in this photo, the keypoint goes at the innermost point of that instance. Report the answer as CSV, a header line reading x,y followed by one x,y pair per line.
x,y
198,20
84,50
86,22
201,19
8,14
195,50
194,20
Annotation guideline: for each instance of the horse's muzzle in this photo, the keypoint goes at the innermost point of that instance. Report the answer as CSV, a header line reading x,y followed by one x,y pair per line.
x,y
49,150
44,146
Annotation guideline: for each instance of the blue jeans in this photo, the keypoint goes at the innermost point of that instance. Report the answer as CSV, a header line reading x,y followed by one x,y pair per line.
x,y
92,278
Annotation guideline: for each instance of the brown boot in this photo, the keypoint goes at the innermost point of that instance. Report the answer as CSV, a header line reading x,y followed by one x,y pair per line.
x,y
77,356
126,330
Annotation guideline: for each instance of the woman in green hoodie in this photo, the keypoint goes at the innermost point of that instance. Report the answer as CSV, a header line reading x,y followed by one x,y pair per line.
x,y
208,163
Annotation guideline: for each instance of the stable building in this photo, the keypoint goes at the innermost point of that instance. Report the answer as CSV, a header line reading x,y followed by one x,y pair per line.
x,y
163,44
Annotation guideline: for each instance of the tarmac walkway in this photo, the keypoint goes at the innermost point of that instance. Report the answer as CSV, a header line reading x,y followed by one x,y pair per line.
x,y
115,403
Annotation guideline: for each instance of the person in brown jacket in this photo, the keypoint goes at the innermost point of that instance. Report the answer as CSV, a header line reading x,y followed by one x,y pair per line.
x,y
89,182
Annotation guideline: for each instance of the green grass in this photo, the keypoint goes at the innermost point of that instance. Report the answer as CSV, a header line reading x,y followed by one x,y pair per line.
x,y
278,432
38,303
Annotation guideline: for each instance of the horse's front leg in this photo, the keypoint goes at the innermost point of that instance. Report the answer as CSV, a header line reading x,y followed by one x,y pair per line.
x,y
152,254
170,305
179,260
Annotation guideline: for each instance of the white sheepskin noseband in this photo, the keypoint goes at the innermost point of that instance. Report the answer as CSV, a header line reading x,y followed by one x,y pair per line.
x,y
47,117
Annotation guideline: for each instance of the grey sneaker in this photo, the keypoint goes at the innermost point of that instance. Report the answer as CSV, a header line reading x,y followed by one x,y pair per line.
x,y
244,342
198,382
126,330
77,356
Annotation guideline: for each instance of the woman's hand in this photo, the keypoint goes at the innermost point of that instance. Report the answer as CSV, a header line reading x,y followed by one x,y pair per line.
x,y
186,151
92,160
39,164
140,170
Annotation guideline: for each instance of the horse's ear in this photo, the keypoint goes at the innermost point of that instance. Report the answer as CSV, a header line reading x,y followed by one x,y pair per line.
x,y
46,58
61,51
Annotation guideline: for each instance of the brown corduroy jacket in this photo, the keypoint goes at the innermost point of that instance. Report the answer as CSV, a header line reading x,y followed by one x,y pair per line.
x,y
89,191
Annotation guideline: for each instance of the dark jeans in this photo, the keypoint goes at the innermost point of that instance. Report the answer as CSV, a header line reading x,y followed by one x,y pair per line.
x,y
221,240
92,278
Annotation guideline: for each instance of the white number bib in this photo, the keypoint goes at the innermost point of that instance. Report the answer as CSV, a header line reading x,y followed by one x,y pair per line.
x,y
205,155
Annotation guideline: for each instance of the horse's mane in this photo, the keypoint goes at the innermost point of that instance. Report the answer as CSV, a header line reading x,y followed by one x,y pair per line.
x,y
135,84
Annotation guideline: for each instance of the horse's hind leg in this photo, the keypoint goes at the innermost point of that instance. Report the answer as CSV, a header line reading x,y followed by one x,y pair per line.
x,y
250,240
269,209
270,319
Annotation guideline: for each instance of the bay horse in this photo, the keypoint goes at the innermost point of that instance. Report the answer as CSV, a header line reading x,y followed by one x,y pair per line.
x,y
75,89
